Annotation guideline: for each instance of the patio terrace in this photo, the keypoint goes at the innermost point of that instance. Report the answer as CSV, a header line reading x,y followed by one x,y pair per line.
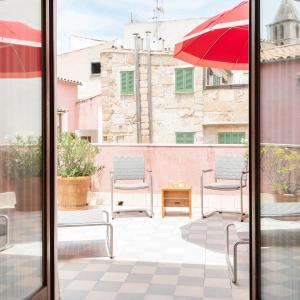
x,y
161,258
171,258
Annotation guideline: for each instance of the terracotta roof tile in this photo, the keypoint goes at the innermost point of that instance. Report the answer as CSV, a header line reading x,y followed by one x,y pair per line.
x,y
280,53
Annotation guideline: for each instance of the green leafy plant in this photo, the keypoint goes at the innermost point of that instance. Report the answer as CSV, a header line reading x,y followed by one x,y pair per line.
x,y
281,167
76,157
24,158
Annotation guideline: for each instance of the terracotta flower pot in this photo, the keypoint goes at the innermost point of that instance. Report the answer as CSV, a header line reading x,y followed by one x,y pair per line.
x,y
73,192
28,194
286,197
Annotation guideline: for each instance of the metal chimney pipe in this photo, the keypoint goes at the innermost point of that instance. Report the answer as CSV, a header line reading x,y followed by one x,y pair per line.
x,y
161,44
141,43
149,85
137,87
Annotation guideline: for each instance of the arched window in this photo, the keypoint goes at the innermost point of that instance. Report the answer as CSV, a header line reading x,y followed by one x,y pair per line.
x,y
275,34
281,31
297,30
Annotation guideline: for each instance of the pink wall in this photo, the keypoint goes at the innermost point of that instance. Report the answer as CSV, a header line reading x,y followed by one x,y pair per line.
x,y
87,112
166,162
66,99
280,102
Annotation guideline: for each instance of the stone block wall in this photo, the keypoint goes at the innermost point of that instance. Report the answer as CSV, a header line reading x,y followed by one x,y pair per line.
x,y
171,111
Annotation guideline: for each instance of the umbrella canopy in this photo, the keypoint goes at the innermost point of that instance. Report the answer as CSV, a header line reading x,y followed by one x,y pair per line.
x,y
220,42
20,46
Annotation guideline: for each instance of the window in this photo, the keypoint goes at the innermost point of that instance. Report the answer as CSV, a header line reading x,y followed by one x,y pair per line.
x,y
231,137
213,79
275,34
184,80
87,138
96,68
185,137
281,30
127,82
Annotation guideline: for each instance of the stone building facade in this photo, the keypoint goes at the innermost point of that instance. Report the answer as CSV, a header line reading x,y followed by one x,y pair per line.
x,y
203,112
285,28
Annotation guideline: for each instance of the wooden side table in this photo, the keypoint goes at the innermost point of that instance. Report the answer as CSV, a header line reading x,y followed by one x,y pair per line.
x,y
176,197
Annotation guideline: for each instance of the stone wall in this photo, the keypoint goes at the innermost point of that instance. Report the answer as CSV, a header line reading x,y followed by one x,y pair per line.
x,y
202,111
225,109
171,111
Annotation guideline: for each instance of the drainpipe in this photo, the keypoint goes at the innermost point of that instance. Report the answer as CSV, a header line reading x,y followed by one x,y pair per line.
x,y
137,87
149,84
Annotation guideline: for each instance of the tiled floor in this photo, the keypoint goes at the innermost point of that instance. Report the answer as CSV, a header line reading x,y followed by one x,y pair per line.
x,y
171,258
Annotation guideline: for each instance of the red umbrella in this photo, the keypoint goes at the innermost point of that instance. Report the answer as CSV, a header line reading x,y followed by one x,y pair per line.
x,y
220,42
20,50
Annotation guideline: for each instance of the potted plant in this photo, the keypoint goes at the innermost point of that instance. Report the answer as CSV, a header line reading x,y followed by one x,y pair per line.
x,y
23,167
76,160
281,167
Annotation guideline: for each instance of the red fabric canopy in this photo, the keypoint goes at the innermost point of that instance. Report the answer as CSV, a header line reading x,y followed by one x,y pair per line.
x,y
220,42
20,50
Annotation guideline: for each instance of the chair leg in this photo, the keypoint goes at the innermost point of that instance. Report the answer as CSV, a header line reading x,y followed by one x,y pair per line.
x,y
6,245
242,205
151,200
112,200
111,240
201,196
232,268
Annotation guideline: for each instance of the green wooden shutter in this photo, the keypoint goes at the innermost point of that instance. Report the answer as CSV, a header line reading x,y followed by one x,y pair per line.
x,y
189,79
230,137
221,138
179,138
185,137
130,82
179,80
123,82
184,80
127,82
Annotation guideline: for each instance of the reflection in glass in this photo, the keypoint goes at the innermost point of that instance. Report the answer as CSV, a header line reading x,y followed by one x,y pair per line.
x,y
280,149
20,149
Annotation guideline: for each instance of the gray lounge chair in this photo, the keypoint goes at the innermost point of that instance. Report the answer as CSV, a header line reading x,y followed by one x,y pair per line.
x,y
228,168
91,217
130,169
242,231
4,231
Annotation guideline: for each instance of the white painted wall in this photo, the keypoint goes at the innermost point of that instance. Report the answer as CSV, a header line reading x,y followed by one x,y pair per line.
x,y
171,31
76,65
21,108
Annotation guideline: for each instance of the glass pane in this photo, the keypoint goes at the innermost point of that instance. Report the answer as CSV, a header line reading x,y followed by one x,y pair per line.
x,y
20,149
280,150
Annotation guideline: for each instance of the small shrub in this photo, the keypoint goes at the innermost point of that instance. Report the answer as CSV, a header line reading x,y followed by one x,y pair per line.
x,y
76,157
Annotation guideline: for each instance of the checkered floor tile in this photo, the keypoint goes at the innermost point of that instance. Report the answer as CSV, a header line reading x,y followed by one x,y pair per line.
x,y
171,258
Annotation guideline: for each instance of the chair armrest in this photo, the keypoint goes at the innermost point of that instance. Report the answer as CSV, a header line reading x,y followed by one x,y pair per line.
x,y
243,177
207,171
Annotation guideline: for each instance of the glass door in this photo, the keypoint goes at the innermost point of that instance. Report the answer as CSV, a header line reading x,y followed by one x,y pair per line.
x,y
279,150
24,183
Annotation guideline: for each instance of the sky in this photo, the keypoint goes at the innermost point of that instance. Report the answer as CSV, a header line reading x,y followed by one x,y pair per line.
x,y
105,19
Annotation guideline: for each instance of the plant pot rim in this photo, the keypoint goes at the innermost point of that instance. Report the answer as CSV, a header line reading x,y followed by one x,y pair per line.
x,y
74,178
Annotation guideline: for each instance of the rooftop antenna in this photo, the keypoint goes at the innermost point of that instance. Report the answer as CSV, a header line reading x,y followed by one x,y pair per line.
x,y
158,13
158,10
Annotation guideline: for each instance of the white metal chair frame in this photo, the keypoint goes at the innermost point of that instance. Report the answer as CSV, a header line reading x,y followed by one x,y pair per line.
x,y
7,243
83,218
130,168
233,266
240,175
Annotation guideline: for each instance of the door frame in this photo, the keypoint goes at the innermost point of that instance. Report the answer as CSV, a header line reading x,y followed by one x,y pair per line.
x,y
49,289
254,149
